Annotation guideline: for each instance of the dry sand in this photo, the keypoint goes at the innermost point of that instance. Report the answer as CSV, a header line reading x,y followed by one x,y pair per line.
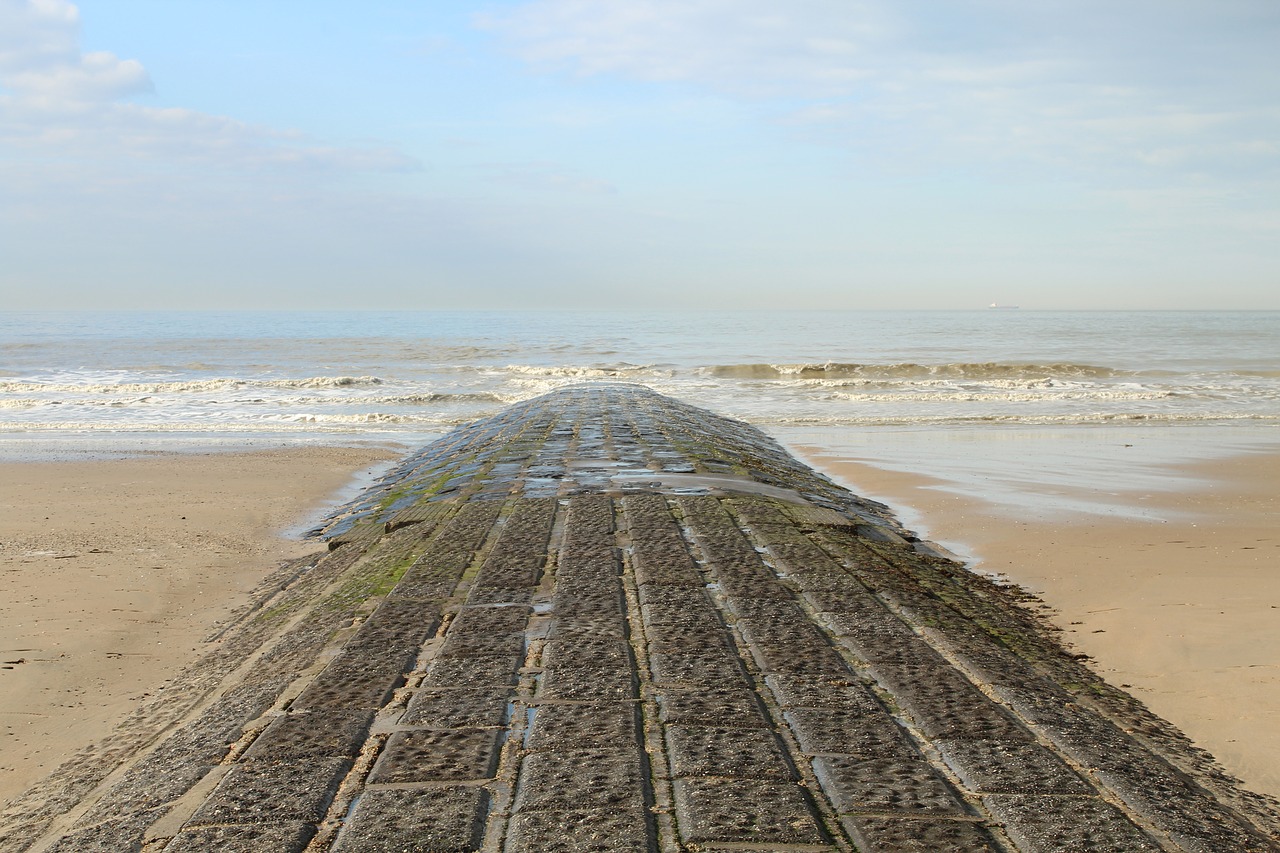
x,y
112,573
1181,607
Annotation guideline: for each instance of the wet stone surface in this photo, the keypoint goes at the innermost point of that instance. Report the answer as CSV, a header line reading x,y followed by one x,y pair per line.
x,y
734,707
744,812
450,820
604,621
1000,767
836,732
889,835
886,786
311,735
478,707
1051,823
738,753
262,792
438,756
587,725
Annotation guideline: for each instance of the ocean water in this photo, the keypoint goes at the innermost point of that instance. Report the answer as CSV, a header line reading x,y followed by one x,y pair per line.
x,y
406,374
911,388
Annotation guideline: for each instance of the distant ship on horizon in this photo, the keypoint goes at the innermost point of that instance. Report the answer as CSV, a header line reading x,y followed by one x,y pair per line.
x,y
1002,307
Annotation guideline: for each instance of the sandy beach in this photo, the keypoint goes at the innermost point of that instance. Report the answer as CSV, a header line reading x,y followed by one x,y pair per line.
x,y
114,572
1170,588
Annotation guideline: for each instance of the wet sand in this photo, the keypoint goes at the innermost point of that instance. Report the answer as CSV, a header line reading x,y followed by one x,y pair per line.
x,y
1174,592
113,573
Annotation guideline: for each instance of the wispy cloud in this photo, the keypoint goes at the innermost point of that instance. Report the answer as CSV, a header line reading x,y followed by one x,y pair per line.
x,y
1087,90
745,46
543,176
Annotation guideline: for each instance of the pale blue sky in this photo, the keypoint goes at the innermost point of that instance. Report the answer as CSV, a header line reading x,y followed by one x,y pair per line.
x,y
702,153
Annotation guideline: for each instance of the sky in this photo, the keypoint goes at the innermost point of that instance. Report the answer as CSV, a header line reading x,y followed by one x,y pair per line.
x,y
842,154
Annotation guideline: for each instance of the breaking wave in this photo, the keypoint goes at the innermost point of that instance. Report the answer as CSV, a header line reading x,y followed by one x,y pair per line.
x,y
1060,419
187,386
1003,396
621,370
986,371
426,399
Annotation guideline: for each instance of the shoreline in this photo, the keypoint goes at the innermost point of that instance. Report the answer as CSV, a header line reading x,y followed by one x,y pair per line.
x,y
113,572
1170,590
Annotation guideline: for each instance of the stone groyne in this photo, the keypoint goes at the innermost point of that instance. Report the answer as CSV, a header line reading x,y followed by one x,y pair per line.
x,y
604,620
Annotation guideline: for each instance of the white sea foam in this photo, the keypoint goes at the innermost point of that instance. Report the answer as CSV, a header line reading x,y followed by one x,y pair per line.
x,y
184,386
394,373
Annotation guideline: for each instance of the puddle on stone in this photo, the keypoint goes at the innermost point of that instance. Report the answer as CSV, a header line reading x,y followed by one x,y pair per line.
x,y
530,714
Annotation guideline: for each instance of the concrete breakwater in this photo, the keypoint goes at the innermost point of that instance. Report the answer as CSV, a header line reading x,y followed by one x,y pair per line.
x,y
604,620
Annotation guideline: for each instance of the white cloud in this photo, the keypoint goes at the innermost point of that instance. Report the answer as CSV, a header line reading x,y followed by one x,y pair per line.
x,y
97,76
748,46
57,101
40,57
37,32
1086,89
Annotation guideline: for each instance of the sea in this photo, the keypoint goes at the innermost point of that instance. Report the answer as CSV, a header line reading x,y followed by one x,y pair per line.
x,y
945,392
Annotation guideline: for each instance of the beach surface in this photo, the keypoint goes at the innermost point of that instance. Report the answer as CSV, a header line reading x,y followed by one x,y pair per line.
x,y
113,574
108,586
1165,576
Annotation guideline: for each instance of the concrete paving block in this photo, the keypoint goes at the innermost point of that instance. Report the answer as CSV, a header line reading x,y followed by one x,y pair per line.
x,y
564,780
889,786
1053,823
588,684
563,625
507,577
1186,812
987,659
732,706
1017,767
830,731
123,833
779,631
486,671
730,752
482,595
580,829
666,570
742,811
587,725
755,587
481,645
429,755
966,713
345,686
677,601
860,630
899,835
668,638
597,603
763,612
312,734
489,620
702,667
587,649
445,708
290,837
828,690
798,658
441,820
273,792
